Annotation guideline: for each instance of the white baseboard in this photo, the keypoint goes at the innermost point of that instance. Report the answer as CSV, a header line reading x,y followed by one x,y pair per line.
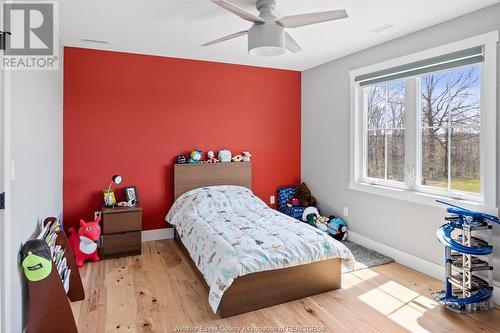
x,y
157,234
409,260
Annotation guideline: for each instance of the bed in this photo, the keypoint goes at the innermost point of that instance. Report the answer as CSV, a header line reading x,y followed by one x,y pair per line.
x,y
249,255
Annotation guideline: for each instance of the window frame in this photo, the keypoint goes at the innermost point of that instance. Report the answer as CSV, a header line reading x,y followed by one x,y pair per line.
x,y
410,189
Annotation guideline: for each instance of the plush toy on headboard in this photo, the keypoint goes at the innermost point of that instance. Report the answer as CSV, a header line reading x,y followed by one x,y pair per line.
x,y
246,156
225,155
211,157
181,159
195,156
84,243
237,158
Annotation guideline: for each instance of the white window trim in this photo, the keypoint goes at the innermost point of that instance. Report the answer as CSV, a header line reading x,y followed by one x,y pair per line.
x,y
488,130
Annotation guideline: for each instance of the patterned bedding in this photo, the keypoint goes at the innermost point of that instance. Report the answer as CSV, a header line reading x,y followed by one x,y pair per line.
x,y
229,232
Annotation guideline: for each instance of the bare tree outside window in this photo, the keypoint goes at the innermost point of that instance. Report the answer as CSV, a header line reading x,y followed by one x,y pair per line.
x,y
385,111
450,122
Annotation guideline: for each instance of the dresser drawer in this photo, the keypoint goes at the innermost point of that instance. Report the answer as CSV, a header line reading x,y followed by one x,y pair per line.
x,y
121,222
127,242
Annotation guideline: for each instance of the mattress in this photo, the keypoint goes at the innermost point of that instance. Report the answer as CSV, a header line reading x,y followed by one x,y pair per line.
x,y
230,232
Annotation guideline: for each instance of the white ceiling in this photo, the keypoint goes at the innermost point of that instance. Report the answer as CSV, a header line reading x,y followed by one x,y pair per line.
x,y
177,28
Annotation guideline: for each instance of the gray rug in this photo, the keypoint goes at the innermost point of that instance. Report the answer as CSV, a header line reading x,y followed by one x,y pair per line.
x,y
364,257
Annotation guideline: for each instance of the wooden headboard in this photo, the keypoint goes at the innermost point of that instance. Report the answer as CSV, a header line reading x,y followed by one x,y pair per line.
x,y
191,176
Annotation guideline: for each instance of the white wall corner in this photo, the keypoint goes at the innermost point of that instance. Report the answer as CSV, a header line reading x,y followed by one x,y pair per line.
x,y
157,234
409,260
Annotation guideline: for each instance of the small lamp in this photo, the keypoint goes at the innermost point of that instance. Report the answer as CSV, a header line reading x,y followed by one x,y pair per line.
x,y
109,195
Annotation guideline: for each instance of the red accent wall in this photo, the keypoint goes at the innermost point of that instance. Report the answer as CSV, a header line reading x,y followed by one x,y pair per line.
x,y
132,114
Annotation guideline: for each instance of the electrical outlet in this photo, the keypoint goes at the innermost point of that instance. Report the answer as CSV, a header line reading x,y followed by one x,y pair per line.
x,y
346,211
97,214
272,199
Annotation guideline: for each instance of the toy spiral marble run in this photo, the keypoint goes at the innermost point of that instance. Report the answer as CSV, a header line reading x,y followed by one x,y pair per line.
x,y
469,271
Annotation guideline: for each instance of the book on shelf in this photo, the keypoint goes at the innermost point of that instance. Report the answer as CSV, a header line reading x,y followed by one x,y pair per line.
x,y
49,233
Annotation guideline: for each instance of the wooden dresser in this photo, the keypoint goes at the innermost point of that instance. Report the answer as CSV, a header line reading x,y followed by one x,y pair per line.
x,y
121,231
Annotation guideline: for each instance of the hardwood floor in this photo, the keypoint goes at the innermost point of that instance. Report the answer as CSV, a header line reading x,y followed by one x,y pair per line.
x,y
158,291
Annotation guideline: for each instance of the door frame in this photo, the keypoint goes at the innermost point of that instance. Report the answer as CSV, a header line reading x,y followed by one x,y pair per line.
x,y
5,182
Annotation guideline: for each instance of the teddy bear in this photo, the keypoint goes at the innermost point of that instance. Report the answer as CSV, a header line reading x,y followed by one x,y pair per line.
x,y
246,156
211,157
303,194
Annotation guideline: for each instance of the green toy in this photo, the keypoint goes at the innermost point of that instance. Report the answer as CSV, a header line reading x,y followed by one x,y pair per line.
x,y
36,260
195,156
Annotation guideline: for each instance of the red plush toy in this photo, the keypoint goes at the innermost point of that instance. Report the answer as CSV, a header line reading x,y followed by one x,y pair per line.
x,y
84,243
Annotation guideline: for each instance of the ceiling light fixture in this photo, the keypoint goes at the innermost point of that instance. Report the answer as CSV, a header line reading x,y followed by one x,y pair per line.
x,y
266,40
267,36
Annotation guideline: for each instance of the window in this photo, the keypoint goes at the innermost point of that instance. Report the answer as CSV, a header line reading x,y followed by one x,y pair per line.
x,y
450,116
385,130
425,124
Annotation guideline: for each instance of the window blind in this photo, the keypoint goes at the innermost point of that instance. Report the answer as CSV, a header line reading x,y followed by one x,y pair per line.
x,y
470,56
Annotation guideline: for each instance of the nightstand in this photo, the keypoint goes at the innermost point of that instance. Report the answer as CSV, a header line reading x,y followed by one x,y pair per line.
x,y
121,231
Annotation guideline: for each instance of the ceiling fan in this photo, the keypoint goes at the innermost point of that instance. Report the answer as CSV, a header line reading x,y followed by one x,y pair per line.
x,y
267,35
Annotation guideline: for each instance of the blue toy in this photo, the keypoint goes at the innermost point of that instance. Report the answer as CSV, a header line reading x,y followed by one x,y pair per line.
x,y
195,156
333,226
466,255
285,194
337,228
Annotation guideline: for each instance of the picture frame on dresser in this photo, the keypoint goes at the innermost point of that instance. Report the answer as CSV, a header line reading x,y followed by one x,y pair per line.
x,y
131,194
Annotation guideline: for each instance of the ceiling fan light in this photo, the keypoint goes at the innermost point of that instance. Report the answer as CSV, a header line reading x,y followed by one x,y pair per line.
x,y
266,40
267,51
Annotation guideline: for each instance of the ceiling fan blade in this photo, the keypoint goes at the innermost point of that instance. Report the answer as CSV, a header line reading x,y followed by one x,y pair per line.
x,y
222,39
238,11
301,20
291,44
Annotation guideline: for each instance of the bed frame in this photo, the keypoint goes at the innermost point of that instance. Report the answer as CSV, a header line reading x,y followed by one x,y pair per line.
x,y
257,290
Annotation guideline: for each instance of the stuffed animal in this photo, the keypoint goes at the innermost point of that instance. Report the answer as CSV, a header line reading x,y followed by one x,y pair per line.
x,y
181,159
334,226
337,228
321,219
312,217
320,222
211,157
246,156
309,214
304,196
195,156
224,156
237,158
84,243
294,202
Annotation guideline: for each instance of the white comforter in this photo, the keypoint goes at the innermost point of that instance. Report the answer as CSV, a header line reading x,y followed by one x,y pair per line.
x,y
229,232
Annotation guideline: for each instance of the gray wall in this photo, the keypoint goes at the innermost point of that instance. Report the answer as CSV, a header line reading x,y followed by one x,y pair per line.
x,y
36,107
400,224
